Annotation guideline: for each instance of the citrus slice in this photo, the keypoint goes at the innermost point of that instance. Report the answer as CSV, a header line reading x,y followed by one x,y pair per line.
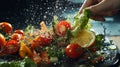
x,y
85,38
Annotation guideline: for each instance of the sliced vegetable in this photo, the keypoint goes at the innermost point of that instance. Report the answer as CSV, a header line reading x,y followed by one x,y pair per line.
x,y
85,38
25,51
61,27
43,26
42,40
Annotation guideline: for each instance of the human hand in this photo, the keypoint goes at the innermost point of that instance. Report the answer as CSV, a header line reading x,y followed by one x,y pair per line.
x,y
101,8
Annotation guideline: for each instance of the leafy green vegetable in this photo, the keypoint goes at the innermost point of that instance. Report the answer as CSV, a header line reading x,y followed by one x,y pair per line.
x,y
55,51
99,41
29,29
23,63
99,37
80,21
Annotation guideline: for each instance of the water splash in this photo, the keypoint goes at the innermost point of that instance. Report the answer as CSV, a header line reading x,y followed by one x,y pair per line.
x,y
35,11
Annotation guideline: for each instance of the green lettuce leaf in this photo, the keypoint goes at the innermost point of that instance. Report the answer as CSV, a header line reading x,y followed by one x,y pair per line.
x,y
80,21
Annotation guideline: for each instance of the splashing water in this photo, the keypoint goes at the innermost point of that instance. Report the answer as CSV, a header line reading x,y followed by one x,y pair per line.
x,y
34,11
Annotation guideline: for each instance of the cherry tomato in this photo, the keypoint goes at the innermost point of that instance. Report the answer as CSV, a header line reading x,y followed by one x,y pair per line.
x,y
19,32
11,47
16,37
73,51
6,27
44,40
2,41
61,27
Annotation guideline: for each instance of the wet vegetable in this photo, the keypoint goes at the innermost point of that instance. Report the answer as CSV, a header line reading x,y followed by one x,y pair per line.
x,y
73,51
58,44
5,27
61,27
22,63
25,51
11,47
80,21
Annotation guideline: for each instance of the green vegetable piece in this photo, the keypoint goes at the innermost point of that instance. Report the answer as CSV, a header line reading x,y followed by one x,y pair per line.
x,y
99,37
4,64
29,63
22,63
29,29
80,21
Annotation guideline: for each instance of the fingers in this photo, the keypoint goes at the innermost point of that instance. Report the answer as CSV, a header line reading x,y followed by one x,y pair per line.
x,y
96,8
86,3
99,8
98,18
102,6
108,13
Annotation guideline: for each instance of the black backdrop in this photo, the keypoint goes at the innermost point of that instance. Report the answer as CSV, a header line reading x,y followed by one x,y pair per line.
x,y
20,13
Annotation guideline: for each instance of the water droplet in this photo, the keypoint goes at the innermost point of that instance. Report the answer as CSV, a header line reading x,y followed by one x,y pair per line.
x,y
56,7
45,16
46,12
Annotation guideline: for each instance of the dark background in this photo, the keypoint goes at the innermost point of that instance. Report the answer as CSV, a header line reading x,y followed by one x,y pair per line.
x,y
20,13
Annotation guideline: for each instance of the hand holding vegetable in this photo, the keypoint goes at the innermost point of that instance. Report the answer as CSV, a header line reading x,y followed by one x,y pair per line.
x,y
101,8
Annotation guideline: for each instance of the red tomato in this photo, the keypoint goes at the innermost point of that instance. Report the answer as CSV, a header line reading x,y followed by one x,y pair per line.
x,y
19,32
41,41
2,41
11,47
16,37
61,27
73,51
44,40
6,27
